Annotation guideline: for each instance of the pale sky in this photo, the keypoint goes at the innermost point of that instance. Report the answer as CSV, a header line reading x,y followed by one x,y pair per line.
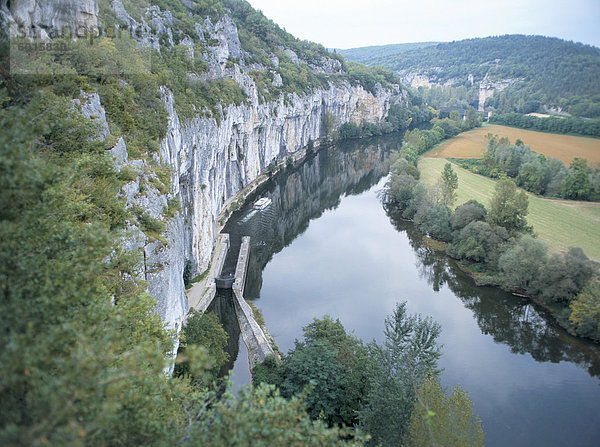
x,y
356,23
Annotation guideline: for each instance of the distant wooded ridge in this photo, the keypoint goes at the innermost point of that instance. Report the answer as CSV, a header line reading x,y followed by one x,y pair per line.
x,y
365,55
541,73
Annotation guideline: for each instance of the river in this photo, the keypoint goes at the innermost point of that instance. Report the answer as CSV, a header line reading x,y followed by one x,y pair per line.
x,y
327,245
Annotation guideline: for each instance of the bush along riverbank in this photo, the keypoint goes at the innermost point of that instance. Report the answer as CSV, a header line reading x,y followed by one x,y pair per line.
x,y
497,246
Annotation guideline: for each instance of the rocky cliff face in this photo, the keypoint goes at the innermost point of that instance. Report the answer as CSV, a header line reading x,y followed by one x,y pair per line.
x,y
487,87
210,160
46,19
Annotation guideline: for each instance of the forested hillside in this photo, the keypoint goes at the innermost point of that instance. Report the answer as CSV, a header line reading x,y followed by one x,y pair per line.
x,y
531,73
365,55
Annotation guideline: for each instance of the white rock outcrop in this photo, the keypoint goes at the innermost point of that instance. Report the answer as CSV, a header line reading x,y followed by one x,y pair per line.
x,y
42,19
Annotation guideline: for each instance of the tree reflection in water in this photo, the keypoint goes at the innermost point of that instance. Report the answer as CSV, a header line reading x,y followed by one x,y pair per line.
x,y
517,322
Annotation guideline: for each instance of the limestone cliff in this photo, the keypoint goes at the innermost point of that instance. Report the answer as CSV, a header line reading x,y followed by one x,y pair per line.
x,y
211,158
212,162
487,87
46,19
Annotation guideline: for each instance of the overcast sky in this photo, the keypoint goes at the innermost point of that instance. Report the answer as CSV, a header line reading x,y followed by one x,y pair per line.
x,y
356,23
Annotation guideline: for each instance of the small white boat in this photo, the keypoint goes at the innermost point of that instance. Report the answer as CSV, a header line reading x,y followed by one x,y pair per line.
x,y
261,203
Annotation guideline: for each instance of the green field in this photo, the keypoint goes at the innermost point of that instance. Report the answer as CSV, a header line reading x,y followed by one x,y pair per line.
x,y
559,223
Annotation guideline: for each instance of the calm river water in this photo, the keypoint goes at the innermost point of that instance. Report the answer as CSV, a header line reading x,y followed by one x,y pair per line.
x,y
327,245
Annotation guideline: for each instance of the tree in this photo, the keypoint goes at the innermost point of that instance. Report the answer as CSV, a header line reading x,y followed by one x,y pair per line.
x,y
563,276
508,207
479,242
466,213
585,311
419,200
441,420
577,185
403,166
399,367
269,371
557,172
261,417
413,137
450,185
472,118
434,221
332,362
349,131
315,363
400,188
203,330
532,178
454,116
520,265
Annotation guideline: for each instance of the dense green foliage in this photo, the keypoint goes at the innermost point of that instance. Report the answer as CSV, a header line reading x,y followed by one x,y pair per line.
x,y
118,70
399,367
449,185
443,420
373,387
508,208
261,417
369,77
206,331
496,244
585,311
550,72
333,362
536,173
365,55
82,352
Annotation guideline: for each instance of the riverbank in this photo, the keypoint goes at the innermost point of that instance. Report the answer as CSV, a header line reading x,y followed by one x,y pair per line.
x,y
559,223
326,246
553,312
502,255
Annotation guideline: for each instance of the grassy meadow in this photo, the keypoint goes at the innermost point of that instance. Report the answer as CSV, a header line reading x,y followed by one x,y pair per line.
x,y
472,144
559,223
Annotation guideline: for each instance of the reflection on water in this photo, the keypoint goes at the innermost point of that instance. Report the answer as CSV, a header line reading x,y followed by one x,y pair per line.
x,y
514,321
300,195
222,305
347,256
